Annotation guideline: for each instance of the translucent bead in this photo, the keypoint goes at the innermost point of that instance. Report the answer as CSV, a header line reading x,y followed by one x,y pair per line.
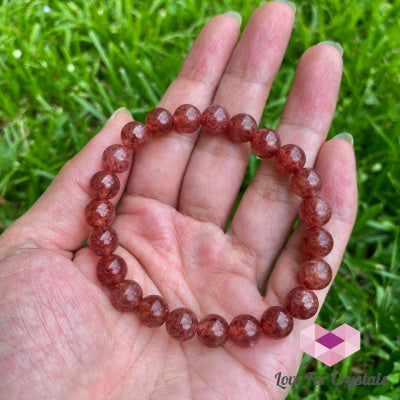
x,y
186,119
104,185
126,295
181,324
276,322
213,330
99,213
265,143
153,311
314,274
134,135
111,269
306,182
302,303
289,159
241,128
317,242
117,158
159,121
244,330
215,120
315,211
103,240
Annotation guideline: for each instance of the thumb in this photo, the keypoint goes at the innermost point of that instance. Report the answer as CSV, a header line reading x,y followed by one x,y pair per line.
x,y
56,221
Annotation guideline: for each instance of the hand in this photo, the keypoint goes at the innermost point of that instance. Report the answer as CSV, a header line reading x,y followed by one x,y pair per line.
x,y
61,338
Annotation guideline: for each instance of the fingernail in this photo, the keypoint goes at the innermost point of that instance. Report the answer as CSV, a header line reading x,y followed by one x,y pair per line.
x,y
118,111
235,15
336,45
348,137
289,3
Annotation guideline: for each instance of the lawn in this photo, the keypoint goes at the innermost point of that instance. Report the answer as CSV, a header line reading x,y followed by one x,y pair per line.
x,y
65,66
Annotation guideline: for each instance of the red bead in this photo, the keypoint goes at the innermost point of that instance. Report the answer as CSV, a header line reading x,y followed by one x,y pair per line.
x,y
99,213
244,330
153,311
117,158
111,269
159,121
302,303
134,135
103,240
289,159
186,119
241,128
306,182
126,295
315,211
213,330
181,324
265,143
276,322
317,242
104,185
215,119
315,274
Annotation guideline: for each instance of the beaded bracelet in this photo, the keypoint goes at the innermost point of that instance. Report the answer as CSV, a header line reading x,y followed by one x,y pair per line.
x,y
182,324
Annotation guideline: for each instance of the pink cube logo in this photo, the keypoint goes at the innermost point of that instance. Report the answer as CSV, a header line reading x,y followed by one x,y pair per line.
x,y
330,347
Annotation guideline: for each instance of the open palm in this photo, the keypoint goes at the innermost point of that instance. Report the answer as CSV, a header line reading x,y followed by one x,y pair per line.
x,y
62,339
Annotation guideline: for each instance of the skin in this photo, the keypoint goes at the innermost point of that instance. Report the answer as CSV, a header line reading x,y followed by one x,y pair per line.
x,y
60,337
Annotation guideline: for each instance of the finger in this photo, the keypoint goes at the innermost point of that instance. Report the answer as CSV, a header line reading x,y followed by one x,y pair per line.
x,y
336,165
268,208
159,167
56,221
217,166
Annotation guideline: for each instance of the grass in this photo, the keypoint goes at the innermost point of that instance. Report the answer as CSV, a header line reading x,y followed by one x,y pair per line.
x,y
63,72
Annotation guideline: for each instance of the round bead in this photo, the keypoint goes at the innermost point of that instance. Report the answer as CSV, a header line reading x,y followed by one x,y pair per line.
x,y
315,211
213,330
215,119
314,274
104,185
265,143
181,324
276,322
111,269
317,242
117,158
186,119
126,295
306,182
103,240
241,128
159,121
244,330
153,311
301,303
289,159
99,213
134,135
